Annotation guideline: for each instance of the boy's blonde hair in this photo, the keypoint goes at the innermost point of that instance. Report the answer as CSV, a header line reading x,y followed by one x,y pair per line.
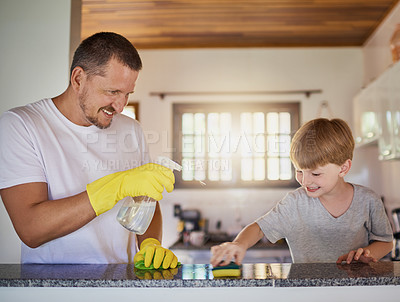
x,y
320,142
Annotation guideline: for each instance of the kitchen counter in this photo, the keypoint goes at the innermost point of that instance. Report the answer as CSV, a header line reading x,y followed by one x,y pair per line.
x,y
200,275
195,282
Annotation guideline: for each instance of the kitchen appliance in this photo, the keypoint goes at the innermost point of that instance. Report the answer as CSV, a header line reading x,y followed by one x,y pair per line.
x,y
396,220
396,247
190,221
197,238
396,236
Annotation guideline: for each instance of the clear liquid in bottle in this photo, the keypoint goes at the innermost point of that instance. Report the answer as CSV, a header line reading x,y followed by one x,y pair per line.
x,y
137,213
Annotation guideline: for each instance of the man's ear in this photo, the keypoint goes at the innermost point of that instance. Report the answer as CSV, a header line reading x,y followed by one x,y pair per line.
x,y
78,76
345,168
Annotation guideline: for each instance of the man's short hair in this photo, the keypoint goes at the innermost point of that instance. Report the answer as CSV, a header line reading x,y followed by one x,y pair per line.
x,y
94,53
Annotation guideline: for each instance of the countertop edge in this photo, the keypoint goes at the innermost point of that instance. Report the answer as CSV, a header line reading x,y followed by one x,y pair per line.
x,y
279,283
316,282
137,283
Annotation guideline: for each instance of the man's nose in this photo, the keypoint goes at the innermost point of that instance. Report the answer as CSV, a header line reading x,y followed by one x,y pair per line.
x,y
119,104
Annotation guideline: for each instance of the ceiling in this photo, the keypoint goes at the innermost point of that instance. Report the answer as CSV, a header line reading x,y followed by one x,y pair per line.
x,y
236,23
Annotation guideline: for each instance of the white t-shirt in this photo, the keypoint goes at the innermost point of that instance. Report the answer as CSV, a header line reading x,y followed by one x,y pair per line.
x,y
39,144
314,235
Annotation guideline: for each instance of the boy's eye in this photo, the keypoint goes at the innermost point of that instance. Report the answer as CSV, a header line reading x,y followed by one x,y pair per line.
x,y
316,174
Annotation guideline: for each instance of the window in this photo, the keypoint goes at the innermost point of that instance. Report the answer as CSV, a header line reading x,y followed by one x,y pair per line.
x,y
235,145
132,110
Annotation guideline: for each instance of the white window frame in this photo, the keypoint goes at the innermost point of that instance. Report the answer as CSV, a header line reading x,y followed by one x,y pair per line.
x,y
235,109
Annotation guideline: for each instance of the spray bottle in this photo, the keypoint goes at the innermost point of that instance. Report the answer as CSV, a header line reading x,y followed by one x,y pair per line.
x,y
136,213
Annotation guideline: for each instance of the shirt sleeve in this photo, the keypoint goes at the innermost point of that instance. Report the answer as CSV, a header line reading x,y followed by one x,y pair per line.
x,y
278,221
379,226
19,160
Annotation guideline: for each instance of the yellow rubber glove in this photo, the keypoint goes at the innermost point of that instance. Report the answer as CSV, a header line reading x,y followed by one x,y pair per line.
x,y
147,180
167,274
151,251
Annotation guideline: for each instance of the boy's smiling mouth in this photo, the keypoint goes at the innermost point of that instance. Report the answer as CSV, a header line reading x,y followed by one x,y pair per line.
x,y
312,189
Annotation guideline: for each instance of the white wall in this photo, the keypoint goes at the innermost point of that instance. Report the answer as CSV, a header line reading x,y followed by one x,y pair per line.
x,y
377,54
34,48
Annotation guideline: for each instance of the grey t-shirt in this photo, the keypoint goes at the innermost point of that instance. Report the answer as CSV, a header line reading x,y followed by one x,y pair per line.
x,y
314,235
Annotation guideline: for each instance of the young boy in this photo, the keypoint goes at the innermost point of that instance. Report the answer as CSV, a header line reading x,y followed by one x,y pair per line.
x,y
327,219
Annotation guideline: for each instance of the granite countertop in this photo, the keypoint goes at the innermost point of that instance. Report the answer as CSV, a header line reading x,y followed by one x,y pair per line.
x,y
200,275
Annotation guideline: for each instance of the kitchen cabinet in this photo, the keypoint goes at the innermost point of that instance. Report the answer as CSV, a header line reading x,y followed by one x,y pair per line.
x,y
377,114
366,125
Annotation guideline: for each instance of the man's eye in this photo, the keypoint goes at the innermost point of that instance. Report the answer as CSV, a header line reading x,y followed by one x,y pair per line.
x,y
113,92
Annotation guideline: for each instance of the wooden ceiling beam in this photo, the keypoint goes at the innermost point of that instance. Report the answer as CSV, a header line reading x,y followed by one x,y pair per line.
x,y
226,23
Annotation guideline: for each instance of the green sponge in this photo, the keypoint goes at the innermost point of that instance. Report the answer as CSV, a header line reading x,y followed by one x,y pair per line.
x,y
230,270
140,265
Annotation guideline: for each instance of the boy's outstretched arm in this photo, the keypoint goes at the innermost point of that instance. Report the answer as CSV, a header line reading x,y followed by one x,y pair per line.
x,y
371,253
236,249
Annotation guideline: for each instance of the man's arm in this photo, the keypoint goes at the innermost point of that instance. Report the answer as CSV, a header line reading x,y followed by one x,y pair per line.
x,y
155,228
38,220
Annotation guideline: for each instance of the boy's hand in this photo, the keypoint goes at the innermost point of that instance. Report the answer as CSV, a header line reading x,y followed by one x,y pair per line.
x,y
224,253
361,255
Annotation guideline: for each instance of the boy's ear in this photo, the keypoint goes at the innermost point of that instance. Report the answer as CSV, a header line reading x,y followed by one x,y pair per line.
x,y
345,168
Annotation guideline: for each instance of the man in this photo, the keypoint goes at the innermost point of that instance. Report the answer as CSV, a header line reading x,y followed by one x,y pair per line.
x,y
65,162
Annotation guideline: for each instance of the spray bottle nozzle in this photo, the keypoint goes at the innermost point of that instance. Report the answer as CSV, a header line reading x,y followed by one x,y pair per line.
x,y
168,163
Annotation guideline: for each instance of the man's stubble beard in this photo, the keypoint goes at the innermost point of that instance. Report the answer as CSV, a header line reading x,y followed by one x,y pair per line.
x,y
91,119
